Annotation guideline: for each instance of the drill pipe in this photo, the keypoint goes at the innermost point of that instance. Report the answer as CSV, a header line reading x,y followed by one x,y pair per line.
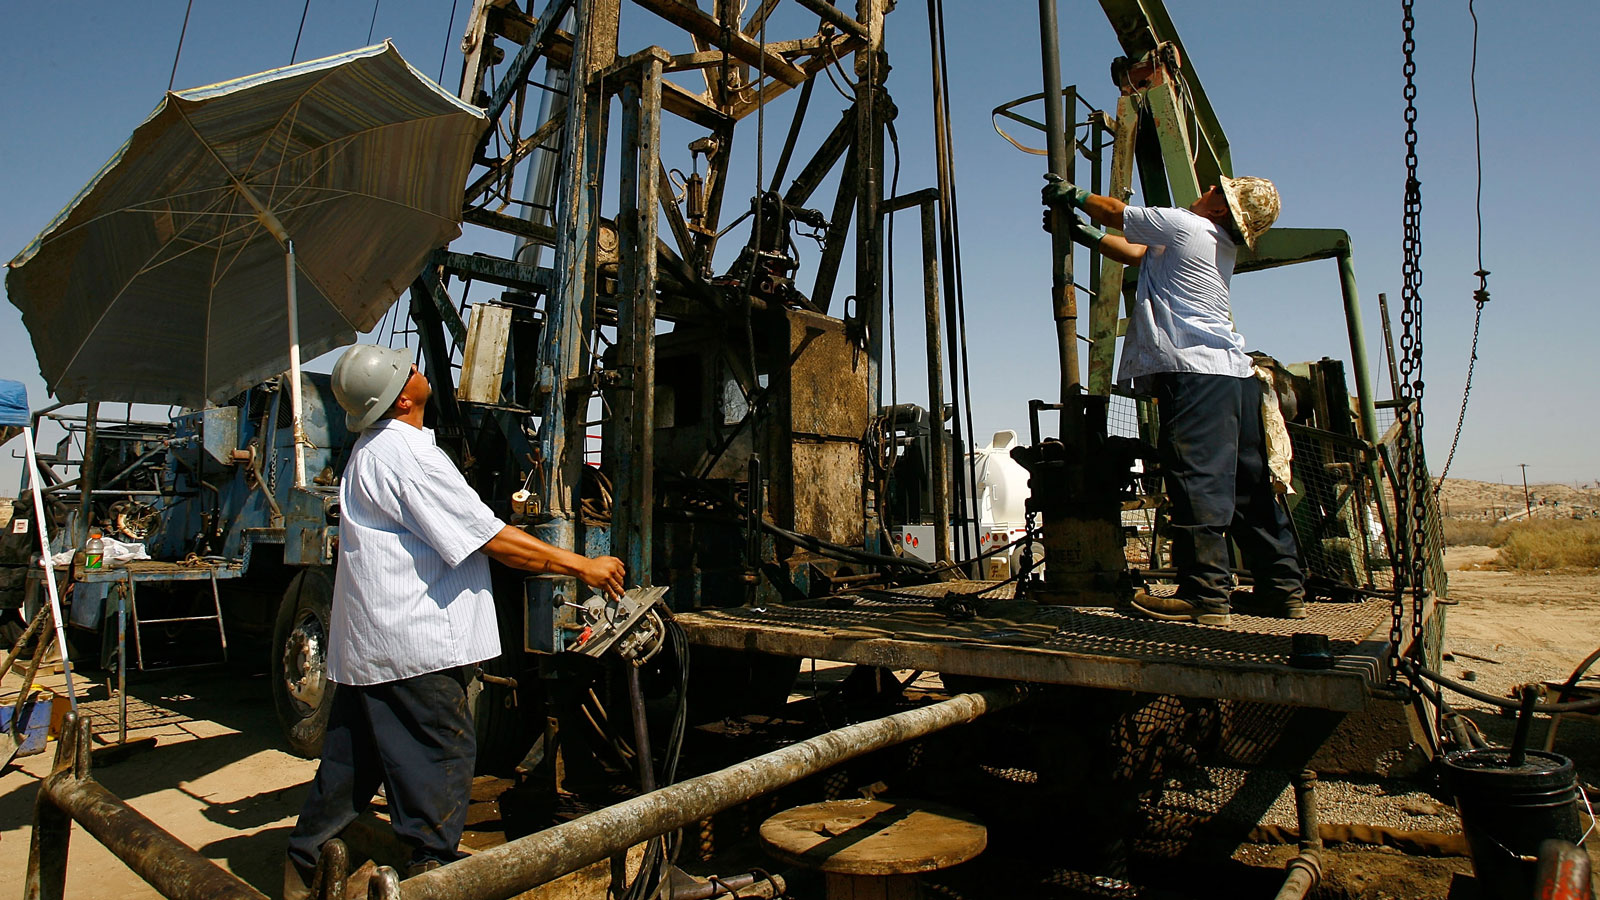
x,y
528,862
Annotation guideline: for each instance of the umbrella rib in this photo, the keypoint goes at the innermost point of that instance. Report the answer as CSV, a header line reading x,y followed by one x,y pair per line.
x,y
355,134
122,209
129,283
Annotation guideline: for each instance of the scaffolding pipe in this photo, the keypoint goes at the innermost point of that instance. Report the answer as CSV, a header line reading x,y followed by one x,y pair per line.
x,y
528,862
1305,870
70,794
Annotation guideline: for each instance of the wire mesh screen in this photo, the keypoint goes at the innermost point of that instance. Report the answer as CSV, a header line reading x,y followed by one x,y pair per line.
x,y
1122,415
1336,510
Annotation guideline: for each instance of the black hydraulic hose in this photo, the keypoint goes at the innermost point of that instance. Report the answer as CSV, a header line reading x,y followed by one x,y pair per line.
x,y
827,548
1416,670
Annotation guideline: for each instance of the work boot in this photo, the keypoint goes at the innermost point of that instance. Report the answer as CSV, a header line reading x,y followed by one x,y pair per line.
x,y
417,868
1177,609
295,885
1263,603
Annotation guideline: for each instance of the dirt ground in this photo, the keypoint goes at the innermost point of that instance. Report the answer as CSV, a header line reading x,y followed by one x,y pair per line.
x,y
216,776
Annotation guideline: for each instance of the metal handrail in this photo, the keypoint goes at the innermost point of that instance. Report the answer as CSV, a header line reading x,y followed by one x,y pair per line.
x,y
70,794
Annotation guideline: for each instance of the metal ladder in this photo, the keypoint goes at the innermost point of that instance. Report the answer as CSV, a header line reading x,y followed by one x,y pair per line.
x,y
138,622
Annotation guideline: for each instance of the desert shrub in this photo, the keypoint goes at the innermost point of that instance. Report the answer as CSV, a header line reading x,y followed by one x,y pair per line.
x,y
1467,532
1549,544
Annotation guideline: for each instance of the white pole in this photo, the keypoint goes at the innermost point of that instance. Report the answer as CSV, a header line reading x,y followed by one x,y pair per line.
x,y
49,569
294,369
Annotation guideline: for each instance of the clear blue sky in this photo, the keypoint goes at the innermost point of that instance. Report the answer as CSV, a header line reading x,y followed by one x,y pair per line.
x,y
1309,95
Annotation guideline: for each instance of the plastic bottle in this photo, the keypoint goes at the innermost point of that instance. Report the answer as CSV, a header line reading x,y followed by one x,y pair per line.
x,y
94,553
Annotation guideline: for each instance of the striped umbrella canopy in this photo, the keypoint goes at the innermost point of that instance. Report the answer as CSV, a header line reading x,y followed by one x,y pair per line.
x,y
164,280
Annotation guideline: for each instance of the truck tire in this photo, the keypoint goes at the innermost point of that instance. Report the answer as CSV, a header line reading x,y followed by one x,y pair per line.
x,y
301,690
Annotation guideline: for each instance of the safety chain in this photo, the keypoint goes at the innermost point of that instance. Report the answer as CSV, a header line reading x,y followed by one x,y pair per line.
x,y
1411,470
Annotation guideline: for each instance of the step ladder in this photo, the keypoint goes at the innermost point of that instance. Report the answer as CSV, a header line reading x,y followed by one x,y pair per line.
x,y
130,595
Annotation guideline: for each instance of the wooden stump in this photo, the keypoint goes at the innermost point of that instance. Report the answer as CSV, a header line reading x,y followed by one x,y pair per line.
x,y
872,849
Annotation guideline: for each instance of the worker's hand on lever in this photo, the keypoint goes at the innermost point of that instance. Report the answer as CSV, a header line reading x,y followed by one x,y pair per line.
x,y
1060,193
604,573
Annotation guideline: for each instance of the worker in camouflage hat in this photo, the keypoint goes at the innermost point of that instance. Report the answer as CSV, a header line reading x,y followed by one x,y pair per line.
x,y
1182,350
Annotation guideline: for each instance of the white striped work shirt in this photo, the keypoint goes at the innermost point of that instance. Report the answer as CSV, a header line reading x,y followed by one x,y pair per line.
x,y
1180,320
411,594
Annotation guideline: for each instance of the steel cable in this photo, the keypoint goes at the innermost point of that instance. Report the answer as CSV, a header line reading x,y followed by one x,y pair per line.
x,y
1480,296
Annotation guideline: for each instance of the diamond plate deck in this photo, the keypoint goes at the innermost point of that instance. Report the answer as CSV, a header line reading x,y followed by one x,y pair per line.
x,y
1088,647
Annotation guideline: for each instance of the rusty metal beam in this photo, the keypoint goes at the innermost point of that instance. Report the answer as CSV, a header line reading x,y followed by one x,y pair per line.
x,y
838,48
513,80
1105,305
69,795
524,147
836,17
686,104
1343,689
736,42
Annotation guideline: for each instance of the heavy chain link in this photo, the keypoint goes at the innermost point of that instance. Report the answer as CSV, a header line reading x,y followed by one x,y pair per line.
x,y
1412,473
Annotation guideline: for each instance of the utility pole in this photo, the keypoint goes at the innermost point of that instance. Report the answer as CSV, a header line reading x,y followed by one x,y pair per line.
x,y
1525,499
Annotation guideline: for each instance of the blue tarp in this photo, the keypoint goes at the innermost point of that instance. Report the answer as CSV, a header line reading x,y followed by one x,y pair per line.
x,y
13,404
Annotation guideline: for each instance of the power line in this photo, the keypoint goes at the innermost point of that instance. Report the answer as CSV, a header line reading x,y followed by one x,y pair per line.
x,y
448,33
299,31
1481,295
375,20
171,79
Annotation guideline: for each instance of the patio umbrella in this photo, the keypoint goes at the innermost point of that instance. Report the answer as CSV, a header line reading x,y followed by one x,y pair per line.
x,y
324,184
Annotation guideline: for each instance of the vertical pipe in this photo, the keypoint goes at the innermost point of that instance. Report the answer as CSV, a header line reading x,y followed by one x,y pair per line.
x,y
122,659
1063,298
641,730
869,103
638,192
1388,347
1358,343
46,878
1363,375
51,590
86,472
295,401
939,481
563,351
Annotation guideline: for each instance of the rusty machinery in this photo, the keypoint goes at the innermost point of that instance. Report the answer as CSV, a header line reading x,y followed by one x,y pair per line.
x,y
745,452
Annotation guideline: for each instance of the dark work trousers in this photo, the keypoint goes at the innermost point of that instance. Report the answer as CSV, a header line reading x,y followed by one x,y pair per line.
x,y
1213,454
416,738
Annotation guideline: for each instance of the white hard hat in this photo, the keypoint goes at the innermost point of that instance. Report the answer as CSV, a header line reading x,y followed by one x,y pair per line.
x,y
1254,204
366,381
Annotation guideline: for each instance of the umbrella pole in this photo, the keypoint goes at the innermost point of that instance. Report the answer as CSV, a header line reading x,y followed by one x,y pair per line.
x,y
294,368
49,568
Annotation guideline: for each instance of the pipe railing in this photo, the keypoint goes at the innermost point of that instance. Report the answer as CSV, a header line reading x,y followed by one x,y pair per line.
x,y
69,794
523,864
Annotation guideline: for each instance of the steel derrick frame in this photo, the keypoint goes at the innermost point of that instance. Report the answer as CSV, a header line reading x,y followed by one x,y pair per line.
x,y
658,270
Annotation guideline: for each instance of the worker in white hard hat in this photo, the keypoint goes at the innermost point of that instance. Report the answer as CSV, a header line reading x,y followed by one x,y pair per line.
x,y
412,616
1181,348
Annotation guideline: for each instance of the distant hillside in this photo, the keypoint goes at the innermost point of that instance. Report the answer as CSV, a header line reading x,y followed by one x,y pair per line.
x,y
1486,500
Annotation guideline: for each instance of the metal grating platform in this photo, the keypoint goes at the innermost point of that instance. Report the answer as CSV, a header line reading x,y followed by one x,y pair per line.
x,y
1089,647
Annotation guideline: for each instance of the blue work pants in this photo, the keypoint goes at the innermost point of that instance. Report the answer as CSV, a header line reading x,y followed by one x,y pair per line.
x,y
415,737
1213,457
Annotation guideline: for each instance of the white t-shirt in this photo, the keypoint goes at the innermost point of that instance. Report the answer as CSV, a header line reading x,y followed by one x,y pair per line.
x,y
1181,320
411,594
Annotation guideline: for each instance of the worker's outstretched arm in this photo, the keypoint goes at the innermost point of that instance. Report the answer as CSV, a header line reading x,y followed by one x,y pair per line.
x,y
1105,211
520,550
1113,246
